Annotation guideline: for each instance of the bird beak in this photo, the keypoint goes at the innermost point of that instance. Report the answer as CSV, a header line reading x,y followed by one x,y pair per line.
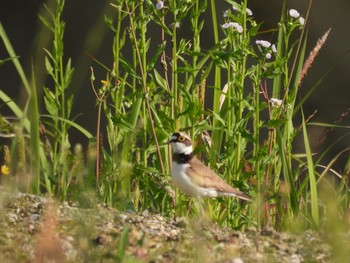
x,y
168,142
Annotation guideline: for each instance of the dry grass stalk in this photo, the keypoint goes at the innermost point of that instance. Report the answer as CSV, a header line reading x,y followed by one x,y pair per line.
x,y
201,95
308,63
7,156
180,107
22,176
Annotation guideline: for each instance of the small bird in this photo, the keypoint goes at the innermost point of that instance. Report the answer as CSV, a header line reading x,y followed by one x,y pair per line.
x,y
191,176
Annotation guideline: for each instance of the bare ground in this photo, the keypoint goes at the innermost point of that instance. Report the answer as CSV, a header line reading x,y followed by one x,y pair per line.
x,y
38,229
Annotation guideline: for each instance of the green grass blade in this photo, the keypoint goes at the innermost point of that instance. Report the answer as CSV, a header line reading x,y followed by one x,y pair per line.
x,y
277,82
328,125
15,109
311,174
15,59
294,90
123,242
34,139
71,123
287,171
217,134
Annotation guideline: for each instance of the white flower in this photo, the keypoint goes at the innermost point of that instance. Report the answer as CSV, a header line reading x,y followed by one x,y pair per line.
x,y
226,25
249,12
268,55
238,27
294,13
238,9
301,20
234,25
273,48
235,8
159,5
177,24
275,103
263,43
225,13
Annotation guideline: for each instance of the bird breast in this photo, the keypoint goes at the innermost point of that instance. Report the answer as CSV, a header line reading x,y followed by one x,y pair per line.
x,y
182,180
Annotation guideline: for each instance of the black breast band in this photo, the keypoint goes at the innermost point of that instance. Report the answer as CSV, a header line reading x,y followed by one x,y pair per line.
x,y
182,158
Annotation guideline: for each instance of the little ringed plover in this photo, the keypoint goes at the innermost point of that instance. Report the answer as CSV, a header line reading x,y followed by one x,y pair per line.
x,y
191,176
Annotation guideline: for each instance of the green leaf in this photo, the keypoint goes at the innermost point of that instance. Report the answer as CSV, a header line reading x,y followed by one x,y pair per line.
x,y
276,123
34,138
48,53
329,125
109,23
185,70
121,122
154,59
194,110
49,107
287,171
311,174
48,66
247,135
159,79
71,123
69,105
123,242
254,30
68,74
15,109
218,118
46,23
15,59
130,69
50,102
162,119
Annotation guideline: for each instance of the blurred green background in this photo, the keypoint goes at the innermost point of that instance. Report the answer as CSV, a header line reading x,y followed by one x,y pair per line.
x,y
86,36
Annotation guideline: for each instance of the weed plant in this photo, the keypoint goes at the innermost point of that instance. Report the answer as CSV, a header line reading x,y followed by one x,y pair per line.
x,y
239,101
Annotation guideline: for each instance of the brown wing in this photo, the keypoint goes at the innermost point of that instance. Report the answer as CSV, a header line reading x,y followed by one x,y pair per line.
x,y
204,177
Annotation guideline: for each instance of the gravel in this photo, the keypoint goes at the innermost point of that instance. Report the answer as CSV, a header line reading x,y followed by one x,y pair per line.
x,y
40,229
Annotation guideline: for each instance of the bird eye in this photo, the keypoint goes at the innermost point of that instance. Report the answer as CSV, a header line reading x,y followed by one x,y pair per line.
x,y
182,138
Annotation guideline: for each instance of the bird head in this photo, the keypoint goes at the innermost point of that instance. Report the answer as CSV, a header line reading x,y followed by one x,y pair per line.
x,y
180,143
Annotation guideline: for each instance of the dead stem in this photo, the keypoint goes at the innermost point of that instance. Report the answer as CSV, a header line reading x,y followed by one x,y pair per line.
x,y
330,129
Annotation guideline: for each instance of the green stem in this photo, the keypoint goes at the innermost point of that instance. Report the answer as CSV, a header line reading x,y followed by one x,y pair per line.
x,y
196,48
216,135
240,88
174,82
34,139
256,128
143,52
98,142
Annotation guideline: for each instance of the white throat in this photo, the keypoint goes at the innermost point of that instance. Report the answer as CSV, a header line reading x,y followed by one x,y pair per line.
x,y
181,148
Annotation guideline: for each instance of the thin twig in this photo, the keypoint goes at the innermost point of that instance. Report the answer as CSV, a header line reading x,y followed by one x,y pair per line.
x,y
100,99
329,130
308,119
